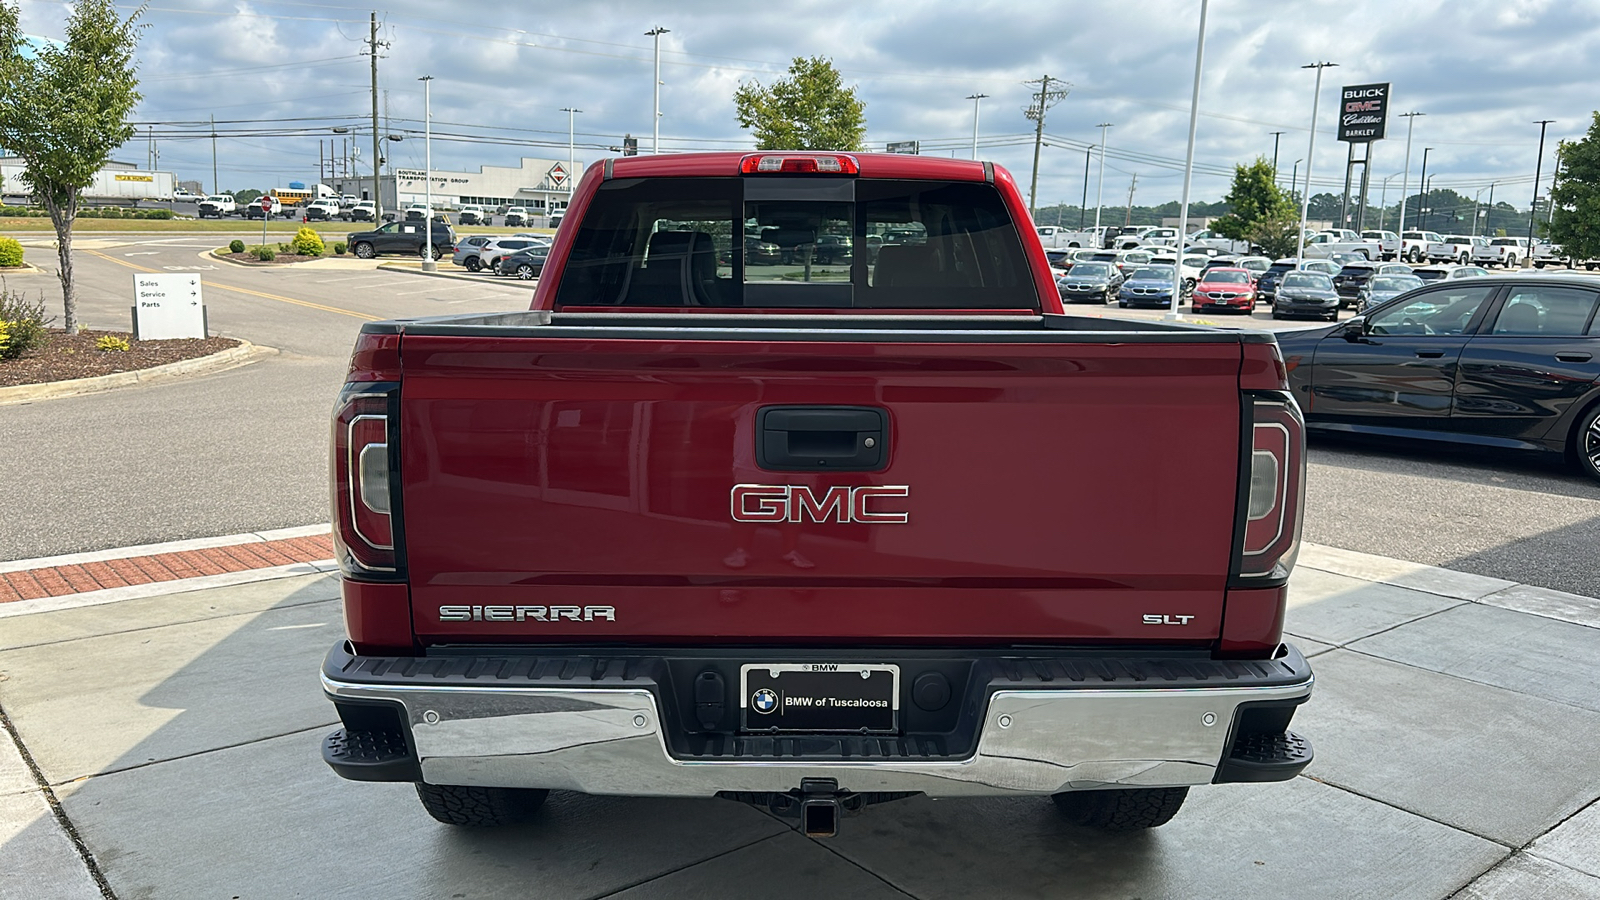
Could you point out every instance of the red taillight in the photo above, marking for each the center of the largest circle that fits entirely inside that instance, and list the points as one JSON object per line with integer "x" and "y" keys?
{"x": 1274, "y": 493}
{"x": 787, "y": 164}
{"x": 363, "y": 495}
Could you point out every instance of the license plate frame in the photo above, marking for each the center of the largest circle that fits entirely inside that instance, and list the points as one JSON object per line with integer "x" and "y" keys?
{"x": 804, "y": 694}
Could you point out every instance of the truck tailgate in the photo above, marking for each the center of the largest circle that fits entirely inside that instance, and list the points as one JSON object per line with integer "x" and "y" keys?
{"x": 580, "y": 489}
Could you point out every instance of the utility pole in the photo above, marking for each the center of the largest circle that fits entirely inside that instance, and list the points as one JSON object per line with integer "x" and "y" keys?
{"x": 1533, "y": 208}
{"x": 1043, "y": 99}
{"x": 655, "y": 86}
{"x": 1127, "y": 215}
{"x": 1100, "y": 183}
{"x": 1275, "y": 136}
{"x": 377, "y": 152}
{"x": 1555, "y": 176}
{"x": 1423, "y": 200}
{"x": 1311, "y": 152}
{"x": 1488, "y": 215}
{"x": 1083, "y": 207}
{"x": 215, "y": 187}
{"x": 975, "y": 98}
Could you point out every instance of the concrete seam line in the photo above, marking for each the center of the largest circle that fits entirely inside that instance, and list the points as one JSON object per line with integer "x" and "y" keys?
{"x": 57, "y": 810}
{"x": 225, "y": 540}
{"x": 163, "y": 588}
{"x": 221, "y": 361}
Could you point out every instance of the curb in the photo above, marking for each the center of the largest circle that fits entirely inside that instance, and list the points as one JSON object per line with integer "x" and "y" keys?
{"x": 226, "y": 540}
{"x": 163, "y": 588}
{"x": 24, "y": 269}
{"x": 457, "y": 276}
{"x": 231, "y": 358}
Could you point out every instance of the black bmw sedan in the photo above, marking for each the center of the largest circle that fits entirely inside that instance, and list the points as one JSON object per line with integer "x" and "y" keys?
{"x": 1305, "y": 294}
{"x": 1494, "y": 362}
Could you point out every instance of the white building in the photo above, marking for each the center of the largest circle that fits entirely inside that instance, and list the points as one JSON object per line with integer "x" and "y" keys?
{"x": 540, "y": 185}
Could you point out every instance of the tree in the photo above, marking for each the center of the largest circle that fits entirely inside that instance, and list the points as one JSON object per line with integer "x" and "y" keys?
{"x": 1278, "y": 235}
{"x": 1576, "y": 226}
{"x": 65, "y": 110}
{"x": 1254, "y": 198}
{"x": 809, "y": 110}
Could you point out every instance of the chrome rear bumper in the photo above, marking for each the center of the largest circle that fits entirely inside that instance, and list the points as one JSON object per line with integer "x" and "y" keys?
{"x": 609, "y": 737}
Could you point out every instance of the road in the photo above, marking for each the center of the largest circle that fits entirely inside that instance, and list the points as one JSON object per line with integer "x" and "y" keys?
{"x": 246, "y": 449}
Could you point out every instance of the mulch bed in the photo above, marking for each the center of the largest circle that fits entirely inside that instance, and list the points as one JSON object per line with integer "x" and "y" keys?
{"x": 281, "y": 258}
{"x": 75, "y": 356}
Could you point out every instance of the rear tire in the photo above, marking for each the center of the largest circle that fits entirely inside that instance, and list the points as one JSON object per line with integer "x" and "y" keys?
{"x": 364, "y": 250}
{"x": 1128, "y": 809}
{"x": 525, "y": 272}
{"x": 1586, "y": 442}
{"x": 480, "y": 807}
{"x": 473, "y": 264}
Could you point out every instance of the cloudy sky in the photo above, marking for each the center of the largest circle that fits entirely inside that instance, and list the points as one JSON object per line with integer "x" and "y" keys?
{"x": 284, "y": 72}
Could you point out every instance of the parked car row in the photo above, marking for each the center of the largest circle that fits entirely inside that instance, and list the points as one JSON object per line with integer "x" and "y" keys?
{"x": 522, "y": 255}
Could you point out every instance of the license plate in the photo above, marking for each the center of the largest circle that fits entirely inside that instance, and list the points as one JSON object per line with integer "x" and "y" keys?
{"x": 850, "y": 697}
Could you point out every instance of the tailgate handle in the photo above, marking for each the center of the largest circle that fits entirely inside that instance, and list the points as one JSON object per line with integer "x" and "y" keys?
{"x": 822, "y": 438}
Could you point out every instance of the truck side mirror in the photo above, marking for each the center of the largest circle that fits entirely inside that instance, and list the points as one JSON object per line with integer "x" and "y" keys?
{"x": 1354, "y": 329}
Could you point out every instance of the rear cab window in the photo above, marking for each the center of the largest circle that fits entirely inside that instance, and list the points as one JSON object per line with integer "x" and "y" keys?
{"x": 797, "y": 242}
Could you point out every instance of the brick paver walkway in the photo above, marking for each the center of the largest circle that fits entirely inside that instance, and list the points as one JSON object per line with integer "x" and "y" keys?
{"x": 57, "y": 581}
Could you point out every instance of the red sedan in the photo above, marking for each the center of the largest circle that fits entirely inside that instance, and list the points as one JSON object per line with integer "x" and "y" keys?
{"x": 1219, "y": 288}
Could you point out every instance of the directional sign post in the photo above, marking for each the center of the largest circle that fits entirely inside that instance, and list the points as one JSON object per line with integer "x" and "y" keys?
{"x": 168, "y": 306}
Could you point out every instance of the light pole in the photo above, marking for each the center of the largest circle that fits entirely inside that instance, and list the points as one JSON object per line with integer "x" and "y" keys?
{"x": 1275, "y": 136}
{"x": 1475, "y": 213}
{"x": 1311, "y": 152}
{"x": 571, "y": 163}
{"x": 1533, "y": 208}
{"x": 1383, "y": 200}
{"x": 976, "y": 99}
{"x": 1423, "y": 200}
{"x": 1294, "y": 176}
{"x": 428, "y": 265}
{"x": 1188, "y": 165}
{"x": 655, "y": 120}
{"x": 1405, "y": 180}
{"x": 1427, "y": 198}
{"x": 1100, "y": 183}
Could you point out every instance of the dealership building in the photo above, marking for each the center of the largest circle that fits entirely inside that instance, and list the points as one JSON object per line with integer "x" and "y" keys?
{"x": 541, "y": 185}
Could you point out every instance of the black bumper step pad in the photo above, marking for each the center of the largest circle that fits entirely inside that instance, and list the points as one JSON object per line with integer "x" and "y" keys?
{"x": 370, "y": 756}
{"x": 1265, "y": 757}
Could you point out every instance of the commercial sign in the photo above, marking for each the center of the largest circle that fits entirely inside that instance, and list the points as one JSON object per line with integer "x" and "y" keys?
{"x": 1363, "y": 112}
{"x": 557, "y": 174}
{"x": 168, "y": 306}
{"x": 912, "y": 147}
{"x": 136, "y": 178}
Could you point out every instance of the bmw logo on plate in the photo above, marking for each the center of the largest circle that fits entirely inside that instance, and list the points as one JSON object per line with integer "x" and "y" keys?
{"x": 764, "y": 700}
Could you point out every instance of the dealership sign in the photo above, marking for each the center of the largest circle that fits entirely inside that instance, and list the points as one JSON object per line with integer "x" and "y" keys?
{"x": 1363, "y": 112}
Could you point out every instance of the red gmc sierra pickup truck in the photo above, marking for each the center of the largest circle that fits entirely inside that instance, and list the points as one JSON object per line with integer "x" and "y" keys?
{"x": 795, "y": 486}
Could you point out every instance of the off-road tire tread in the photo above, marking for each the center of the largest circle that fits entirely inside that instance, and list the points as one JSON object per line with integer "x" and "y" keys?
{"x": 479, "y": 807}
{"x": 1130, "y": 809}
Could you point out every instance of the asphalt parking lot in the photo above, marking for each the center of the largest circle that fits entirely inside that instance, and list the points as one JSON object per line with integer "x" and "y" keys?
{"x": 178, "y": 734}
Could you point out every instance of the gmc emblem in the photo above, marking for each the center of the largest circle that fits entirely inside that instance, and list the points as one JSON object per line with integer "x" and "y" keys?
{"x": 796, "y": 503}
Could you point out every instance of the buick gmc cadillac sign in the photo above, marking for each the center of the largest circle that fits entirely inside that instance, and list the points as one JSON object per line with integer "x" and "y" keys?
{"x": 1363, "y": 112}
{"x": 797, "y": 502}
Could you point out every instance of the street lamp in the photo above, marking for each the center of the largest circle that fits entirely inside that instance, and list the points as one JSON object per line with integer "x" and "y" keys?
{"x": 1188, "y": 165}
{"x": 1405, "y": 181}
{"x": 428, "y": 265}
{"x": 655, "y": 120}
{"x": 1100, "y": 183}
{"x": 1427, "y": 199}
{"x": 1311, "y": 152}
{"x": 1383, "y": 200}
{"x": 1424, "y": 179}
{"x": 571, "y": 165}
{"x": 975, "y": 98}
{"x": 1294, "y": 177}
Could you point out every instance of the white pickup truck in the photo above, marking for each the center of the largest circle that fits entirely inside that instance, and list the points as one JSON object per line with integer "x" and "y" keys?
{"x": 1209, "y": 238}
{"x": 1414, "y": 245}
{"x": 1324, "y": 244}
{"x": 1388, "y": 240}
{"x": 1455, "y": 248}
{"x": 216, "y": 206}
{"x": 1055, "y": 237}
{"x": 1508, "y": 252}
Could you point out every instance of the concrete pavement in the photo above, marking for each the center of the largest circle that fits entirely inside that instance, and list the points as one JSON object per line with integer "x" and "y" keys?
{"x": 1454, "y": 720}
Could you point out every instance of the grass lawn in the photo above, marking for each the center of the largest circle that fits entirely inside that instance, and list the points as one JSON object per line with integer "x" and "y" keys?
{"x": 230, "y": 226}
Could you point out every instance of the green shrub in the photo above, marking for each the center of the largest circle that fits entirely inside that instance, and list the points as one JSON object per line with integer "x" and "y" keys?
{"x": 236, "y": 246}
{"x": 265, "y": 254}
{"x": 307, "y": 242}
{"x": 283, "y": 247}
{"x": 339, "y": 247}
{"x": 25, "y": 323}
{"x": 112, "y": 343}
{"x": 10, "y": 252}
